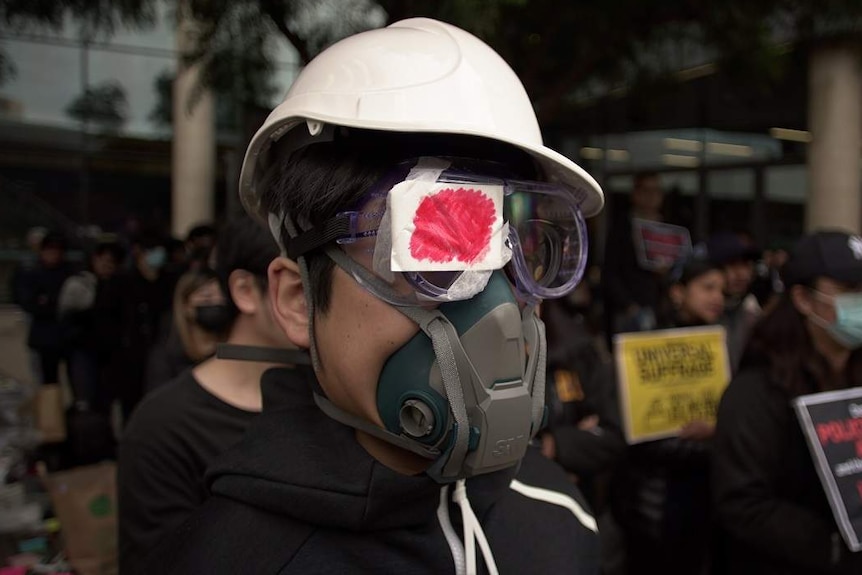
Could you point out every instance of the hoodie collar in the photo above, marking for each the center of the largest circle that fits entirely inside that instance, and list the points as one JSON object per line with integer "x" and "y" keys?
{"x": 296, "y": 461}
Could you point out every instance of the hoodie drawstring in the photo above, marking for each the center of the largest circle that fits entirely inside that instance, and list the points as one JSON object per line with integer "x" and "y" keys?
{"x": 473, "y": 532}
{"x": 455, "y": 544}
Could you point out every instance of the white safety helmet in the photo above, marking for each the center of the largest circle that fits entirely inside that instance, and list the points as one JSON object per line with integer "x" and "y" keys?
{"x": 414, "y": 76}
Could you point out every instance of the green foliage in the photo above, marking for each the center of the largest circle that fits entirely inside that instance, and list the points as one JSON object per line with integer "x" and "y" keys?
{"x": 101, "y": 15}
{"x": 563, "y": 51}
{"x": 104, "y": 105}
{"x": 568, "y": 51}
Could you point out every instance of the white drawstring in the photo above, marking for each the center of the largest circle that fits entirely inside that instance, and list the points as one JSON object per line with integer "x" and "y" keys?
{"x": 473, "y": 532}
{"x": 451, "y": 537}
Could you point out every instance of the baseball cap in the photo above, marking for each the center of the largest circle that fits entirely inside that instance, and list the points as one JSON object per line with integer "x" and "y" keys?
{"x": 833, "y": 254}
{"x": 726, "y": 247}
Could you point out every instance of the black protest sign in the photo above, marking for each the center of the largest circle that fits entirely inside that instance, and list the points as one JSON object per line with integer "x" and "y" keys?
{"x": 832, "y": 423}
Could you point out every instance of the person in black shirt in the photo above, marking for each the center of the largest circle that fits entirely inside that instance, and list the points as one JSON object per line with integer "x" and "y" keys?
{"x": 147, "y": 292}
{"x": 770, "y": 505}
{"x": 179, "y": 429}
{"x": 414, "y": 457}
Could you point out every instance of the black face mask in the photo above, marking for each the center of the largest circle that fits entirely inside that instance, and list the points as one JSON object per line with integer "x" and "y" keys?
{"x": 214, "y": 318}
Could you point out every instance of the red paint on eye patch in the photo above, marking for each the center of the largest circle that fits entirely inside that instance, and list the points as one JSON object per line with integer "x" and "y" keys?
{"x": 453, "y": 225}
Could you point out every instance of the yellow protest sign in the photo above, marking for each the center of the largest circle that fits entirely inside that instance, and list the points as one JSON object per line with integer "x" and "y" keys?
{"x": 668, "y": 378}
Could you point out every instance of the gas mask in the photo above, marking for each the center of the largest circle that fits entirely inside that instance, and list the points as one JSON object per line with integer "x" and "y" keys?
{"x": 467, "y": 391}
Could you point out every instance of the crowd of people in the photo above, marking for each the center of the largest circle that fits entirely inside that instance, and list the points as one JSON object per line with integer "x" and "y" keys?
{"x": 121, "y": 321}
{"x": 740, "y": 495}
{"x": 306, "y": 409}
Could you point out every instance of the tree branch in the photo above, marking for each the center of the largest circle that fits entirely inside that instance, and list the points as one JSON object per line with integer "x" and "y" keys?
{"x": 276, "y": 13}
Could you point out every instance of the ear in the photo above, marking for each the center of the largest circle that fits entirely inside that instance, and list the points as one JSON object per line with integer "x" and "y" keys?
{"x": 801, "y": 299}
{"x": 287, "y": 295}
{"x": 244, "y": 291}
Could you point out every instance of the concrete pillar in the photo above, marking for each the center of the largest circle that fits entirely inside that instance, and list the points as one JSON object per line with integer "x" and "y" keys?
{"x": 194, "y": 148}
{"x": 835, "y": 122}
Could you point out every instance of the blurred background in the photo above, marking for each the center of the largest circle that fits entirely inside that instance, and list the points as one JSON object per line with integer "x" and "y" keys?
{"x": 123, "y": 125}
{"x": 121, "y": 115}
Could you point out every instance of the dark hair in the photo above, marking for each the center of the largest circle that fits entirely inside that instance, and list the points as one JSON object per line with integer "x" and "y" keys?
{"x": 682, "y": 274}
{"x": 201, "y": 231}
{"x": 148, "y": 239}
{"x": 110, "y": 247}
{"x": 173, "y": 244}
{"x": 641, "y": 176}
{"x": 53, "y": 240}
{"x": 316, "y": 182}
{"x": 781, "y": 341}
{"x": 243, "y": 245}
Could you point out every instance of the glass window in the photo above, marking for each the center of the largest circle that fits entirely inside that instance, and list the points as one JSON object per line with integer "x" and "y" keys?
{"x": 786, "y": 191}
{"x": 731, "y": 199}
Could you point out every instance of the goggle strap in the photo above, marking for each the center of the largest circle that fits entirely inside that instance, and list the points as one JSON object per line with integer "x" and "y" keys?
{"x": 318, "y": 236}
{"x": 356, "y": 422}
{"x": 293, "y": 231}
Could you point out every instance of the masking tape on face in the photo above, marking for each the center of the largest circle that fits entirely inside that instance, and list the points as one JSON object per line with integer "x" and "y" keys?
{"x": 403, "y": 203}
{"x": 425, "y": 170}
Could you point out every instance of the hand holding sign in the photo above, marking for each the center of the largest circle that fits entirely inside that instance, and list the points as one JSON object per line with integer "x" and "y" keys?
{"x": 670, "y": 381}
{"x": 832, "y": 423}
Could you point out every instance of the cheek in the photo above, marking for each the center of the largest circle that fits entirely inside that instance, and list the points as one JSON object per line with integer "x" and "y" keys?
{"x": 354, "y": 339}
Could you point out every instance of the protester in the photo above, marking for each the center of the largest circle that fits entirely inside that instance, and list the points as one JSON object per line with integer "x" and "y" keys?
{"x": 584, "y": 432}
{"x": 200, "y": 241}
{"x": 90, "y": 304}
{"x": 767, "y": 496}
{"x": 38, "y": 294}
{"x": 147, "y": 294}
{"x": 197, "y": 326}
{"x": 179, "y": 429}
{"x": 28, "y": 261}
{"x": 736, "y": 257}
{"x": 410, "y": 365}
{"x": 631, "y": 293}
{"x": 662, "y": 495}
{"x": 767, "y": 284}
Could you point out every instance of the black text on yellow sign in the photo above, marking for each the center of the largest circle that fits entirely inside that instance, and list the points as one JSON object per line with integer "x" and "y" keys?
{"x": 669, "y": 378}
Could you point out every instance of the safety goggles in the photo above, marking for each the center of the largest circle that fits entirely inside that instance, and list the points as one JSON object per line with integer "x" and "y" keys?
{"x": 434, "y": 230}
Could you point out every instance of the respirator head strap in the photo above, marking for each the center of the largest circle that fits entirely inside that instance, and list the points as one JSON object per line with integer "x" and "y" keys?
{"x": 534, "y": 334}
{"x": 443, "y": 334}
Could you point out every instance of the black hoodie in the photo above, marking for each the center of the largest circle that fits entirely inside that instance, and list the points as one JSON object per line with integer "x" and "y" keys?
{"x": 299, "y": 495}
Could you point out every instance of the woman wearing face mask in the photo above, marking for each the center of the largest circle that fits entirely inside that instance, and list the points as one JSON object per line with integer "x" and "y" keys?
{"x": 200, "y": 319}
{"x": 768, "y": 500}
{"x": 661, "y": 494}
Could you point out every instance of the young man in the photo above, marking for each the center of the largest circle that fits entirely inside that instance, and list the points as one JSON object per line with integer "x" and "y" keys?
{"x": 421, "y": 220}
{"x": 180, "y": 428}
